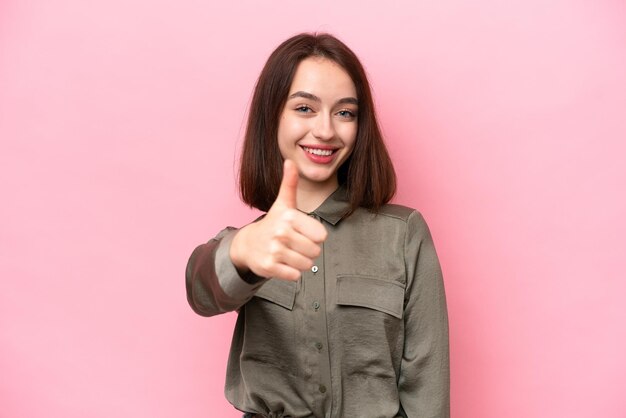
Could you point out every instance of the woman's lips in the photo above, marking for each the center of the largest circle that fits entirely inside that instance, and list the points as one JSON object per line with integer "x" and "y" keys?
{"x": 320, "y": 154}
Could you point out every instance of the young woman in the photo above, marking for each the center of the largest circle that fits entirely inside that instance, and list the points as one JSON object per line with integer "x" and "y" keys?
{"x": 341, "y": 302}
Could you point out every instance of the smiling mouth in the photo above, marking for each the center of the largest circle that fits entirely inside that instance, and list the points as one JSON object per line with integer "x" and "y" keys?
{"x": 320, "y": 152}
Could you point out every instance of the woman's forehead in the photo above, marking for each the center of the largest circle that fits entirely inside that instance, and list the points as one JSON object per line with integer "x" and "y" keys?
{"x": 323, "y": 78}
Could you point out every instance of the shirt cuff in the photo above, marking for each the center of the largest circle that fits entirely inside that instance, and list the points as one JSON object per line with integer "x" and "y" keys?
{"x": 234, "y": 284}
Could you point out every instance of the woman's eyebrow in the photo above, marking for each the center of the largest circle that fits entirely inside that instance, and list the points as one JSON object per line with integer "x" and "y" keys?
{"x": 348, "y": 100}
{"x": 305, "y": 95}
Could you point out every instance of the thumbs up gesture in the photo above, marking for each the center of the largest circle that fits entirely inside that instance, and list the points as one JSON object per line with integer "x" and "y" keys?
{"x": 285, "y": 242}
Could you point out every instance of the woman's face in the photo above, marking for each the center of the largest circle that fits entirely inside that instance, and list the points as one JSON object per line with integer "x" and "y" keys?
{"x": 318, "y": 125}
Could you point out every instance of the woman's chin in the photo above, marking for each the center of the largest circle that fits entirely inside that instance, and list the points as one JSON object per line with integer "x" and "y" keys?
{"x": 320, "y": 178}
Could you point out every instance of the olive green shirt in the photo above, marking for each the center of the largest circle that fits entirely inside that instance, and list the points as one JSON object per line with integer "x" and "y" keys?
{"x": 363, "y": 333}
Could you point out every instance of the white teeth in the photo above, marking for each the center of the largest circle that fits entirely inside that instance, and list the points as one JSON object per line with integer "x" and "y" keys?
{"x": 315, "y": 151}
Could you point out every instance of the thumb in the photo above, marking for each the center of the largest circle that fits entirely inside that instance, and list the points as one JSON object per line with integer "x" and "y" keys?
{"x": 289, "y": 185}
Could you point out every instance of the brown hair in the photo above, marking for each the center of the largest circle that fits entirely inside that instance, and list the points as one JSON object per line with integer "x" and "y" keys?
{"x": 368, "y": 173}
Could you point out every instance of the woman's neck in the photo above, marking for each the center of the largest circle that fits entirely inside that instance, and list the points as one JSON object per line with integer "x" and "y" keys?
{"x": 311, "y": 195}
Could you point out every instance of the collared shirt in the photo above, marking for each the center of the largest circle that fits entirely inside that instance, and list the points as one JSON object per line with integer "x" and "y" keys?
{"x": 363, "y": 333}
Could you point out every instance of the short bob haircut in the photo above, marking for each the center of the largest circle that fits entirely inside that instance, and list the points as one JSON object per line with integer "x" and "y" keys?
{"x": 367, "y": 174}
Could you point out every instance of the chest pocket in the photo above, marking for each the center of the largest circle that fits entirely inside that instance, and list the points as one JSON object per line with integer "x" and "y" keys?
{"x": 280, "y": 292}
{"x": 371, "y": 292}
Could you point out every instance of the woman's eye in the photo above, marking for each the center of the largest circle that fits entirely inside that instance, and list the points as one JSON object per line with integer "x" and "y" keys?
{"x": 346, "y": 114}
{"x": 304, "y": 109}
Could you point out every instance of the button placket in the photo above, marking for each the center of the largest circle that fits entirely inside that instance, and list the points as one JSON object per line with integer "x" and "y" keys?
{"x": 317, "y": 354}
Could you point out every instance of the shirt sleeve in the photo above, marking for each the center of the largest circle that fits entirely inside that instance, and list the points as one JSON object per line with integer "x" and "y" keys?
{"x": 214, "y": 285}
{"x": 424, "y": 384}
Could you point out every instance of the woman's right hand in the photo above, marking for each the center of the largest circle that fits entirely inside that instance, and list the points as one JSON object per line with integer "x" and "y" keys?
{"x": 285, "y": 242}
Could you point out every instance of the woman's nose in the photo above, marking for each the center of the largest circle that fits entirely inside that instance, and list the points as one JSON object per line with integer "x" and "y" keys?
{"x": 324, "y": 129}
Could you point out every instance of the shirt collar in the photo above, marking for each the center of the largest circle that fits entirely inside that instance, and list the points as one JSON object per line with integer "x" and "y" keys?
{"x": 334, "y": 207}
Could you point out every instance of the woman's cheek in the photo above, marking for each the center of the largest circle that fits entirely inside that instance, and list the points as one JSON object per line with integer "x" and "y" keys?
{"x": 347, "y": 133}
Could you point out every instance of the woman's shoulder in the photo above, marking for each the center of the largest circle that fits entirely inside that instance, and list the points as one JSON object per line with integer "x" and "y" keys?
{"x": 401, "y": 212}
{"x": 400, "y": 215}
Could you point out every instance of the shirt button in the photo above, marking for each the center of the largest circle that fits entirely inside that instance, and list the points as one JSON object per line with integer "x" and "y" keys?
{"x": 319, "y": 346}
{"x": 322, "y": 389}
{"x": 316, "y": 305}
{"x": 314, "y": 269}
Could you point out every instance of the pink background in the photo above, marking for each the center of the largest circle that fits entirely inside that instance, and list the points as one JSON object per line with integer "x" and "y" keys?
{"x": 120, "y": 124}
